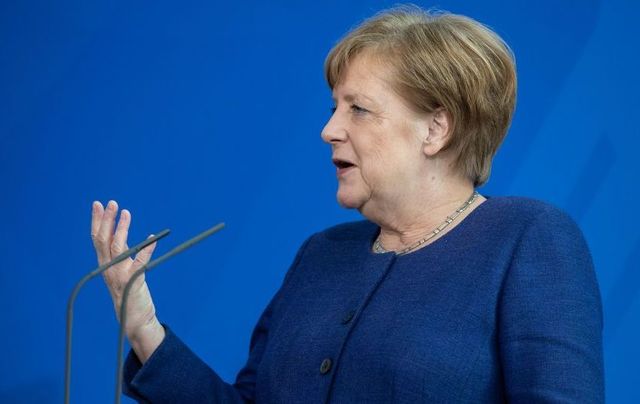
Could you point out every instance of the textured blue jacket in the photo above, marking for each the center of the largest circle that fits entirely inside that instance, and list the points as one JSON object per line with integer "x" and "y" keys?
{"x": 504, "y": 307}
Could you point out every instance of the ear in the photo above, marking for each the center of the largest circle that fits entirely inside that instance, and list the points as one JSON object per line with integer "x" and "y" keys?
{"x": 439, "y": 132}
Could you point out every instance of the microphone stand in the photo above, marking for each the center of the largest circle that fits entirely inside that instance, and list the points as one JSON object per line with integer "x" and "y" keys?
{"x": 127, "y": 289}
{"x": 74, "y": 294}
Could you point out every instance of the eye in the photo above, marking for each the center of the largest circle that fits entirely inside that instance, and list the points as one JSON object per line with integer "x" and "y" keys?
{"x": 358, "y": 109}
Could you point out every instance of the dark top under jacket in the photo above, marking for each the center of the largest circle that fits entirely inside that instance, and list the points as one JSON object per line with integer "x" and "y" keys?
{"x": 503, "y": 308}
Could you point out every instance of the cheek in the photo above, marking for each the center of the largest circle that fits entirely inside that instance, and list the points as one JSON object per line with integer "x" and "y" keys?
{"x": 374, "y": 159}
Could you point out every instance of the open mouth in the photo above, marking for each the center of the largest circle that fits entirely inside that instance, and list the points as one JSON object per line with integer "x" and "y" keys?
{"x": 342, "y": 164}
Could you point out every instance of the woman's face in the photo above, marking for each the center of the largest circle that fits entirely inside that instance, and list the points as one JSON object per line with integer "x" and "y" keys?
{"x": 376, "y": 139}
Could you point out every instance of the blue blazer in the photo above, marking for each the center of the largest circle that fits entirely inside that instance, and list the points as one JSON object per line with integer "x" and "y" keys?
{"x": 504, "y": 307}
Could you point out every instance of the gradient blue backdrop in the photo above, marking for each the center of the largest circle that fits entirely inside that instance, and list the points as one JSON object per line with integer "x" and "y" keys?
{"x": 191, "y": 113}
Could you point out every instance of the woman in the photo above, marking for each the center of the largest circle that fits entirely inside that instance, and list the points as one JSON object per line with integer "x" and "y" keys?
{"x": 441, "y": 295}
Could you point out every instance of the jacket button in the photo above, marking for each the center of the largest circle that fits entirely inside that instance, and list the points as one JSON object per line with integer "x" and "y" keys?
{"x": 348, "y": 316}
{"x": 325, "y": 367}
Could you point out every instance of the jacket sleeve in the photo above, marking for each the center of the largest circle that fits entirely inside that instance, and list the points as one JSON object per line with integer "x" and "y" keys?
{"x": 174, "y": 374}
{"x": 550, "y": 317}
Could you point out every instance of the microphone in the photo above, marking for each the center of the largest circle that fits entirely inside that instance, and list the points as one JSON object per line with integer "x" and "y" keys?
{"x": 127, "y": 289}
{"x": 74, "y": 294}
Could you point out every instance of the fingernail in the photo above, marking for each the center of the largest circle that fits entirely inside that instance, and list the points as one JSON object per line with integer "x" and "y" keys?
{"x": 111, "y": 204}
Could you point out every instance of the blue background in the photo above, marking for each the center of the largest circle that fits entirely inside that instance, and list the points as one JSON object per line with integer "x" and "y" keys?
{"x": 192, "y": 113}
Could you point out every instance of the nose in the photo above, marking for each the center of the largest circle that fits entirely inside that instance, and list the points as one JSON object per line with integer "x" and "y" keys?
{"x": 334, "y": 131}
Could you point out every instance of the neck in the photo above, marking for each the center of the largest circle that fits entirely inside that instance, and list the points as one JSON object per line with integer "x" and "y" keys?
{"x": 414, "y": 216}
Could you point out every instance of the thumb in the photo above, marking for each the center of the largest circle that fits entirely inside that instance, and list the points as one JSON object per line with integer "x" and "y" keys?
{"x": 143, "y": 257}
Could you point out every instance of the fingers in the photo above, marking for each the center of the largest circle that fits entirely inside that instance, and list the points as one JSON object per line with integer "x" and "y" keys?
{"x": 119, "y": 243}
{"x": 96, "y": 217}
{"x": 104, "y": 235}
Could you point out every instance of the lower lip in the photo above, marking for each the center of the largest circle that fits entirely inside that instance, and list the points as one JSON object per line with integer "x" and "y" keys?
{"x": 343, "y": 171}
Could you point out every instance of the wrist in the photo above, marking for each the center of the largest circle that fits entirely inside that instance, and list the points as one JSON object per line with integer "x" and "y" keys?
{"x": 146, "y": 339}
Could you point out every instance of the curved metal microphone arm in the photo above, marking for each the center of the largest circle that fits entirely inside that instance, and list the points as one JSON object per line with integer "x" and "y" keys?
{"x": 127, "y": 289}
{"x": 74, "y": 294}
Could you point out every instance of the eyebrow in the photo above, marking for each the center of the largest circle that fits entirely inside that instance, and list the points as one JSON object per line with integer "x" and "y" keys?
{"x": 354, "y": 97}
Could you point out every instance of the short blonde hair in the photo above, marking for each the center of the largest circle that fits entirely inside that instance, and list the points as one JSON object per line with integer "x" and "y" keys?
{"x": 442, "y": 60}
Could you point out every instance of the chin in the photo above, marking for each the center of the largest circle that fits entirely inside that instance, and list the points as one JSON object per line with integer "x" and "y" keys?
{"x": 349, "y": 200}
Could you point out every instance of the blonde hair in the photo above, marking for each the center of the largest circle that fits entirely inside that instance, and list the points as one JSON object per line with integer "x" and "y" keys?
{"x": 442, "y": 60}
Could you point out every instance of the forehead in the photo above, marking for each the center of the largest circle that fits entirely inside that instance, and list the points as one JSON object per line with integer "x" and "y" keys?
{"x": 369, "y": 80}
{"x": 364, "y": 76}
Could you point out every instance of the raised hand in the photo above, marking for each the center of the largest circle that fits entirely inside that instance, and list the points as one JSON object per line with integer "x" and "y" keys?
{"x": 143, "y": 329}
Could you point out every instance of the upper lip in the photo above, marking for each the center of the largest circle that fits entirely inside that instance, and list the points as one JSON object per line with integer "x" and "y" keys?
{"x": 341, "y": 162}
